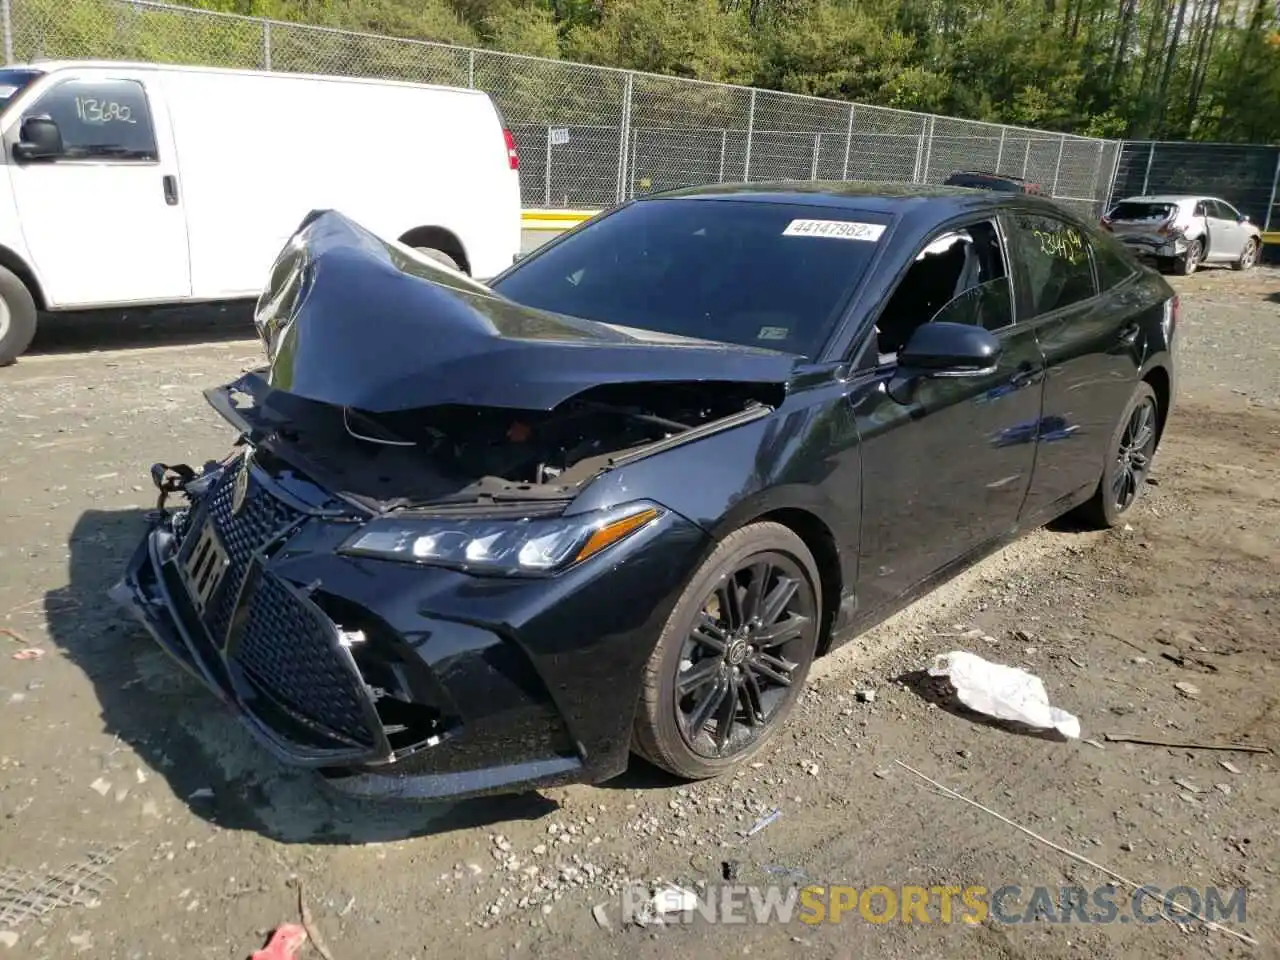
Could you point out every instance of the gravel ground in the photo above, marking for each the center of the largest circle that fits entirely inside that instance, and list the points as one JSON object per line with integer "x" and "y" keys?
{"x": 1165, "y": 629}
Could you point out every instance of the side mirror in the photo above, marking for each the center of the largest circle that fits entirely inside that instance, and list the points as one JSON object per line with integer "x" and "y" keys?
{"x": 1244, "y": 218}
{"x": 945, "y": 349}
{"x": 39, "y": 139}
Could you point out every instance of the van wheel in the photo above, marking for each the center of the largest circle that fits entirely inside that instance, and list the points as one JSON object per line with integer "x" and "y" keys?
{"x": 17, "y": 317}
{"x": 439, "y": 256}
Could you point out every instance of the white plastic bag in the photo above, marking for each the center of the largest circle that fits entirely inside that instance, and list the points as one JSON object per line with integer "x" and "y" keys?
{"x": 1005, "y": 693}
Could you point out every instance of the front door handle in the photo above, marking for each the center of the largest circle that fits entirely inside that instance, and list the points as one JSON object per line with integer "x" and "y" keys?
{"x": 170, "y": 189}
{"x": 1025, "y": 377}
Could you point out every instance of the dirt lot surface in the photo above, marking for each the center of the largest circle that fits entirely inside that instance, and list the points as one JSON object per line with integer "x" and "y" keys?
{"x": 1166, "y": 629}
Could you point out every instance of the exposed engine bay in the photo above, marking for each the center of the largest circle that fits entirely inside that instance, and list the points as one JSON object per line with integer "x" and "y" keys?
{"x": 469, "y": 454}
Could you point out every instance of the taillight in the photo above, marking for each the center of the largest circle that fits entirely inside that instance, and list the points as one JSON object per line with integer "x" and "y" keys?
{"x": 513, "y": 157}
{"x": 1106, "y": 223}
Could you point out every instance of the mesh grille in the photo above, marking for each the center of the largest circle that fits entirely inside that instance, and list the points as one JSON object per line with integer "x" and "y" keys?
{"x": 260, "y": 519}
{"x": 288, "y": 650}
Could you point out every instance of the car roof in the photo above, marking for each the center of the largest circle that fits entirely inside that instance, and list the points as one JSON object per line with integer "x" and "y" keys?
{"x": 989, "y": 175}
{"x": 886, "y": 198}
{"x": 1168, "y": 198}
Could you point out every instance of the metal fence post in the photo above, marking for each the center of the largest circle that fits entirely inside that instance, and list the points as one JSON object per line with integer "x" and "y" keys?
{"x": 546, "y": 174}
{"x": 266, "y": 44}
{"x": 817, "y": 151}
{"x": 928, "y": 151}
{"x": 1097, "y": 172}
{"x": 1000, "y": 152}
{"x": 848, "y": 143}
{"x": 7, "y": 13}
{"x": 915, "y": 172}
{"x": 1146, "y": 174}
{"x": 1275, "y": 182}
{"x": 751, "y": 131}
{"x": 624, "y": 138}
{"x": 724, "y": 143}
{"x": 471, "y": 69}
{"x": 1057, "y": 169}
{"x": 1026, "y": 158}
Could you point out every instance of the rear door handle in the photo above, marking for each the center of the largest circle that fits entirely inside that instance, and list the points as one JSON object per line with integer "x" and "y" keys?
{"x": 170, "y": 189}
{"x": 1129, "y": 335}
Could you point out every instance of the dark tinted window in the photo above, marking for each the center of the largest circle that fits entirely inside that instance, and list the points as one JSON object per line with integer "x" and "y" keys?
{"x": 1133, "y": 210}
{"x": 1112, "y": 261}
{"x": 761, "y": 274}
{"x": 959, "y": 277}
{"x": 1222, "y": 210}
{"x": 100, "y": 118}
{"x": 1054, "y": 257}
{"x": 984, "y": 182}
{"x": 12, "y": 82}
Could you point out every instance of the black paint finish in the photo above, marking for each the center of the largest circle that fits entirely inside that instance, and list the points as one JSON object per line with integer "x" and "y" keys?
{"x": 895, "y": 475}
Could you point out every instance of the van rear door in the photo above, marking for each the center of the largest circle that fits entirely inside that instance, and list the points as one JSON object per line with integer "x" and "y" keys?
{"x": 103, "y": 222}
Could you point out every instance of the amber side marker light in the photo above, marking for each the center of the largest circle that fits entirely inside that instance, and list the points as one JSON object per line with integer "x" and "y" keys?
{"x": 614, "y": 532}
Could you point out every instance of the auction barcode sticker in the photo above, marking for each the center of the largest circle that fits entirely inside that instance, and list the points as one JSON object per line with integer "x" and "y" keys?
{"x": 838, "y": 229}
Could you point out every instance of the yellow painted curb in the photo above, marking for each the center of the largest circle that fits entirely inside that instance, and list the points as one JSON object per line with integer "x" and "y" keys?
{"x": 1272, "y": 237}
{"x": 554, "y": 219}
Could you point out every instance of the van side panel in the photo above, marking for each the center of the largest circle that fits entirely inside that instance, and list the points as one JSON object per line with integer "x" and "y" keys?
{"x": 256, "y": 152}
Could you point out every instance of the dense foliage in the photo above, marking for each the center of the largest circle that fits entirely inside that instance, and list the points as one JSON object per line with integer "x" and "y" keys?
{"x": 1198, "y": 69}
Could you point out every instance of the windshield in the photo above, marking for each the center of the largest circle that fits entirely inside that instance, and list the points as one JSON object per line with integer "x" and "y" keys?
{"x": 1133, "y": 210}
{"x": 12, "y": 82}
{"x": 759, "y": 274}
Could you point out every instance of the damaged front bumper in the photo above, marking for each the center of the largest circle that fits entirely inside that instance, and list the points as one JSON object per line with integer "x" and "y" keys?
{"x": 391, "y": 679}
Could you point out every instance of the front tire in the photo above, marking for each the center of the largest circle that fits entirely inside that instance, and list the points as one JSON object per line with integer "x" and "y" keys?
{"x": 1133, "y": 445}
{"x": 733, "y": 655}
{"x": 1248, "y": 256}
{"x": 17, "y": 317}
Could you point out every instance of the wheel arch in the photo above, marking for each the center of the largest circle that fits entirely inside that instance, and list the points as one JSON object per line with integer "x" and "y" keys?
{"x": 1159, "y": 380}
{"x": 22, "y": 270}
{"x": 440, "y": 238}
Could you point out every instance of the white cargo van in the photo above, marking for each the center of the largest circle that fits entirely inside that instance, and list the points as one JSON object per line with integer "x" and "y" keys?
{"x": 130, "y": 184}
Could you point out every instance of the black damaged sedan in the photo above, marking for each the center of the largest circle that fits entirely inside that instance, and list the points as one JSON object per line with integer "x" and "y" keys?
{"x": 489, "y": 538}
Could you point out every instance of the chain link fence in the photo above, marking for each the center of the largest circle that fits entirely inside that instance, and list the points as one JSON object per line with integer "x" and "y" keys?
{"x": 590, "y": 136}
{"x": 1245, "y": 175}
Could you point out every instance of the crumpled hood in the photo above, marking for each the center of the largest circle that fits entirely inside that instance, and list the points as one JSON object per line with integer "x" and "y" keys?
{"x": 350, "y": 320}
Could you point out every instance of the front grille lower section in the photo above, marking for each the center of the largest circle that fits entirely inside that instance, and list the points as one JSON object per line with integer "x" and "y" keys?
{"x": 289, "y": 651}
{"x": 282, "y": 652}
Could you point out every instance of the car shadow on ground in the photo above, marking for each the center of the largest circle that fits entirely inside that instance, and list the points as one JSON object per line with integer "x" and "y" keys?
{"x": 143, "y": 327}
{"x": 180, "y": 731}
{"x": 1274, "y": 297}
{"x": 938, "y": 691}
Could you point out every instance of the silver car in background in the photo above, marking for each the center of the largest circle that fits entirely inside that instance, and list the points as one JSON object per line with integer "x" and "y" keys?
{"x": 1182, "y": 232}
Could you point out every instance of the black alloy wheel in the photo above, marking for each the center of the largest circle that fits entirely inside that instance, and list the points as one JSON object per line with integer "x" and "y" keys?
{"x": 734, "y": 654}
{"x": 1133, "y": 458}
{"x": 1133, "y": 446}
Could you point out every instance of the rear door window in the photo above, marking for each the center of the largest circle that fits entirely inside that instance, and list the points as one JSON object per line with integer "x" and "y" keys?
{"x": 100, "y": 119}
{"x": 1054, "y": 258}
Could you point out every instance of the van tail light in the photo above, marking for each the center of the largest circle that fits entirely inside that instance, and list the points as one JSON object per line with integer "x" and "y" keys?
{"x": 513, "y": 156}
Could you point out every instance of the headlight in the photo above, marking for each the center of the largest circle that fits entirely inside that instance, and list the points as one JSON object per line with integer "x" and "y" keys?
{"x": 512, "y": 547}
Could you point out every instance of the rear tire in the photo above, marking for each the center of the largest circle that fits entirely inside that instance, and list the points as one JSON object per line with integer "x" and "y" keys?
{"x": 17, "y": 317}
{"x": 1248, "y": 256}
{"x": 1190, "y": 261}
{"x": 1133, "y": 445}
{"x": 734, "y": 652}
{"x": 440, "y": 257}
